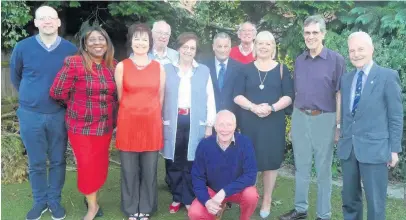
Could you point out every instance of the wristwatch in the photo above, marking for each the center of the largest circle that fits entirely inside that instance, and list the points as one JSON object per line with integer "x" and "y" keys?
{"x": 272, "y": 108}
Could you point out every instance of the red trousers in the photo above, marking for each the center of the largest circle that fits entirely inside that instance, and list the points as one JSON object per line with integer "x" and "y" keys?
{"x": 248, "y": 199}
{"x": 92, "y": 160}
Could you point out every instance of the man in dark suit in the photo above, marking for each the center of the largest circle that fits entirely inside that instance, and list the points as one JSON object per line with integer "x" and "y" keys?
{"x": 371, "y": 132}
{"x": 223, "y": 71}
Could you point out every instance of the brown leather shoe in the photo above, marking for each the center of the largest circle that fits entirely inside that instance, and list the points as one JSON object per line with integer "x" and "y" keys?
{"x": 293, "y": 215}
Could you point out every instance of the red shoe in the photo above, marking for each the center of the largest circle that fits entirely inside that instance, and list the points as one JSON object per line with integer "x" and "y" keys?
{"x": 174, "y": 208}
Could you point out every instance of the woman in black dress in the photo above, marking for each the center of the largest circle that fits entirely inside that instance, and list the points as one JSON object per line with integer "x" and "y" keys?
{"x": 263, "y": 92}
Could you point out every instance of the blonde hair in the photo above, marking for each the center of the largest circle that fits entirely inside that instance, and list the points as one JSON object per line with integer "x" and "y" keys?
{"x": 265, "y": 35}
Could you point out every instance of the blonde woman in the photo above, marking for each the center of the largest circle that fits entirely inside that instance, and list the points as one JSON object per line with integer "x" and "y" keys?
{"x": 263, "y": 91}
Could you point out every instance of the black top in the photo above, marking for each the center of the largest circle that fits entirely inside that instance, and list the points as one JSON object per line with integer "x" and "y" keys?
{"x": 267, "y": 134}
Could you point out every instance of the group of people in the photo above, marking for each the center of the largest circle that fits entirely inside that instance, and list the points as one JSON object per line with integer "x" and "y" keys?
{"x": 161, "y": 100}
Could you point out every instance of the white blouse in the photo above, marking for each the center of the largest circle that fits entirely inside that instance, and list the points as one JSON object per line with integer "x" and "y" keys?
{"x": 184, "y": 93}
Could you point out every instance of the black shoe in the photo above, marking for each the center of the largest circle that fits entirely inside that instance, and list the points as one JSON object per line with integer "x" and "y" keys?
{"x": 99, "y": 212}
{"x": 323, "y": 219}
{"x": 228, "y": 205}
{"x": 293, "y": 215}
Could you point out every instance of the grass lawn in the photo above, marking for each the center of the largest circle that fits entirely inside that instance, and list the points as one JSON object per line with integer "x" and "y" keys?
{"x": 16, "y": 200}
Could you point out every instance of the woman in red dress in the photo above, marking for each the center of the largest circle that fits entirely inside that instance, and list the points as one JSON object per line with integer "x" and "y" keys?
{"x": 140, "y": 85}
{"x": 86, "y": 85}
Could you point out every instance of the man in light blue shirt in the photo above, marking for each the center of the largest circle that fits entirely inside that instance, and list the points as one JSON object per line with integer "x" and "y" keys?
{"x": 224, "y": 72}
{"x": 161, "y": 32}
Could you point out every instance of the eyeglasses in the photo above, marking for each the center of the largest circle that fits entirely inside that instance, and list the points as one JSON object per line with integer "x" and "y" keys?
{"x": 161, "y": 33}
{"x": 247, "y": 30}
{"x": 186, "y": 47}
{"x": 314, "y": 33}
{"x": 94, "y": 40}
{"x": 46, "y": 18}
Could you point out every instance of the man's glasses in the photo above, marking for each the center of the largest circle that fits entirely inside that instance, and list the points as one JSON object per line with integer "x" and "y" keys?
{"x": 314, "y": 33}
{"x": 161, "y": 33}
{"x": 46, "y": 18}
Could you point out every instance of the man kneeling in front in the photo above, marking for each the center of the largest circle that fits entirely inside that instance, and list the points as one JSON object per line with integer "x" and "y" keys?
{"x": 224, "y": 170}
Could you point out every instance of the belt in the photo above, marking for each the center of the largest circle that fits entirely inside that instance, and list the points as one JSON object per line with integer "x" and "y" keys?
{"x": 183, "y": 111}
{"x": 311, "y": 112}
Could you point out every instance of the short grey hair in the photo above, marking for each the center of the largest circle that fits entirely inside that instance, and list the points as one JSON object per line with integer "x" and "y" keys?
{"x": 226, "y": 112}
{"x": 265, "y": 35}
{"x": 365, "y": 36}
{"x": 247, "y": 22}
{"x": 316, "y": 19}
{"x": 156, "y": 23}
{"x": 221, "y": 35}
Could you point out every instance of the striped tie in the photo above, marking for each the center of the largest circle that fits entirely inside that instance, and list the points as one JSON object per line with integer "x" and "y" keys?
{"x": 358, "y": 90}
{"x": 221, "y": 75}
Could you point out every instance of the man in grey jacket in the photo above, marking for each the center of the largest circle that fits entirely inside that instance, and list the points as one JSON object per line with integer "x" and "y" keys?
{"x": 371, "y": 133}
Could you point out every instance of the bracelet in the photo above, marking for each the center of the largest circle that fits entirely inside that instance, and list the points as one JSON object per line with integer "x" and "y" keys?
{"x": 250, "y": 106}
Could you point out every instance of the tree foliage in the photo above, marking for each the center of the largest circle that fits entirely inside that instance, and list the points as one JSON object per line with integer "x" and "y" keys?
{"x": 380, "y": 18}
{"x": 15, "y": 15}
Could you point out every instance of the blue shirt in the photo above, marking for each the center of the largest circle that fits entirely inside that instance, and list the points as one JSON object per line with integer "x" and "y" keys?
{"x": 366, "y": 69}
{"x": 170, "y": 56}
{"x": 33, "y": 70}
{"x": 53, "y": 45}
{"x": 232, "y": 170}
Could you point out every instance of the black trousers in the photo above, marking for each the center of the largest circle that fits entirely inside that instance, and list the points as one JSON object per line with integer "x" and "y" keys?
{"x": 178, "y": 170}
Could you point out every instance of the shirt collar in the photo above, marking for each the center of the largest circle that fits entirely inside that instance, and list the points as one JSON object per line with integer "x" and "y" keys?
{"x": 155, "y": 52}
{"x": 243, "y": 52}
{"x": 217, "y": 62}
{"x": 367, "y": 68}
{"x": 232, "y": 141}
{"x": 322, "y": 54}
{"x": 53, "y": 45}
{"x": 194, "y": 64}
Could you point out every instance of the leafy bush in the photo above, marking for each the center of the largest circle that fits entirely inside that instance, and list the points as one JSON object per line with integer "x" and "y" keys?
{"x": 13, "y": 162}
{"x": 15, "y": 16}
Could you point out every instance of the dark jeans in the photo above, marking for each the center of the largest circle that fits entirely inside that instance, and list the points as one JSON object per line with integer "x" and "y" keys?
{"x": 179, "y": 176}
{"x": 44, "y": 137}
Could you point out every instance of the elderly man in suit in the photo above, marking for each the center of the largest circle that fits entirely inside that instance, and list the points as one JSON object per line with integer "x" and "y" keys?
{"x": 371, "y": 132}
{"x": 224, "y": 71}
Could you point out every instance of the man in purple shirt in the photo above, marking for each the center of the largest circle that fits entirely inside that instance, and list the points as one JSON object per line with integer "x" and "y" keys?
{"x": 315, "y": 118}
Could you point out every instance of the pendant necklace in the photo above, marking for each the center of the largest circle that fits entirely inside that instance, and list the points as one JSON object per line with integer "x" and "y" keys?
{"x": 261, "y": 86}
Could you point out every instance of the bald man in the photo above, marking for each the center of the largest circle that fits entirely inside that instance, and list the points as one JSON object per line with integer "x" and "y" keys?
{"x": 224, "y": 170}
{"x": 371, "y": 133}
{"x": 34, "y": 63}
